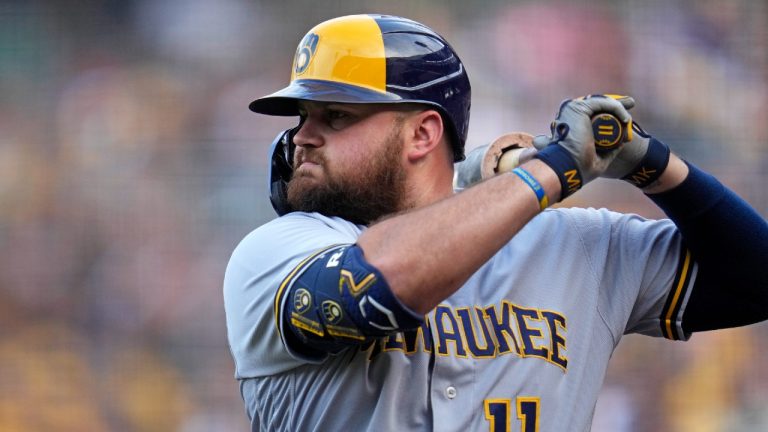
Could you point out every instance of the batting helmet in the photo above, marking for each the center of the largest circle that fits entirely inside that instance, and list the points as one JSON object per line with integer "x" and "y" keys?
{"x": 371, "y": 59}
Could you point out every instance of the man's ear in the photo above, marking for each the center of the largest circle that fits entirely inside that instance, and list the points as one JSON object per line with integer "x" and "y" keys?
{"x": 425, "y": 132}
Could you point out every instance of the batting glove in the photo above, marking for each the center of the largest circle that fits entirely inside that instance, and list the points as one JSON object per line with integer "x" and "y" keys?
{"x": 502, "y": 155}
{"x": 570, "y": 150}
{"x": 640, "y": 161}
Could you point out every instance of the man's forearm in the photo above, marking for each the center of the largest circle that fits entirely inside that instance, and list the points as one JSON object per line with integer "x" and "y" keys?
{"x": 413, "y": 250}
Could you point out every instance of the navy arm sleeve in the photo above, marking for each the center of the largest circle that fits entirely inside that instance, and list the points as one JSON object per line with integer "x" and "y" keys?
{"x": 729, "y": 241}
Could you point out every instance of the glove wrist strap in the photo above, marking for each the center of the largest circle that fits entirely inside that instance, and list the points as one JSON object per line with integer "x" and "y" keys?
{"x": 563, "y": 164}
{"x": 651, "y": 167}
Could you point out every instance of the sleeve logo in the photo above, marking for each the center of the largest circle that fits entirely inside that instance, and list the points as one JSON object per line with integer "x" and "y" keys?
{"x": 302, "y": 299}
{"x": 331, "y": 312}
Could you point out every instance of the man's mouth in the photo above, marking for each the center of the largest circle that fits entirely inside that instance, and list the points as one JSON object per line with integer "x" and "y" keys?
{"x": 307, "y": 167}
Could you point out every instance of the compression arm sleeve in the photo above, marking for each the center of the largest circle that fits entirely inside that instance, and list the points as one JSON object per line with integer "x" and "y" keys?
{"x": 336, "y": 299}
{"x": 729, "y": 241}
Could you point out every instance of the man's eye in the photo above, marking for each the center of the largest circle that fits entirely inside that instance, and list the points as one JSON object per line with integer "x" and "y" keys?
{"x": 336, "y": 115}
{"x": 338, "y": 119}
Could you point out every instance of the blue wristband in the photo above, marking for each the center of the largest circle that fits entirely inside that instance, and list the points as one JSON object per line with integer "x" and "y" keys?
{"x": 526, "y": 177}
{"x": 558, "y": 158}
{"x": 651, "y": 167}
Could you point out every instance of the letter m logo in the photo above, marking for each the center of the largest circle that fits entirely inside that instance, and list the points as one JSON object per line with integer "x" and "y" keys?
{"x": 573, "y": 180}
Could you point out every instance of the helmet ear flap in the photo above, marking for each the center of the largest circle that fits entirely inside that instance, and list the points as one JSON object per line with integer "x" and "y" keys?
{"x": 278, "y": 196}
{"x": 281, "y": 170}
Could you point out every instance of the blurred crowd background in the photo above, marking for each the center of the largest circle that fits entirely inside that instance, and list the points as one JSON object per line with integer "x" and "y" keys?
{"x": 130, "y": 167}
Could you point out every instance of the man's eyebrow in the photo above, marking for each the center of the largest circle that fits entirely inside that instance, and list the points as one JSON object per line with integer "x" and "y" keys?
{"x": 306, "y": 104}
{"x": 344, "y": 106}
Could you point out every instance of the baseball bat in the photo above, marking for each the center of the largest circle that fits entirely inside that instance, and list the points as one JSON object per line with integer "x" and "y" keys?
{"x": 608, "y": 131}
{"x": 513, "y": 149}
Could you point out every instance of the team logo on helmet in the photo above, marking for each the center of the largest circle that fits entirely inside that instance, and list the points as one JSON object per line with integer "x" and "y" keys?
{"x": 305, "y": 52}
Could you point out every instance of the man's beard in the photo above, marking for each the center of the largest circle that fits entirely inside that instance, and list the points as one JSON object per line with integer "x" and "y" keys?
{"x": 376, "y": 188}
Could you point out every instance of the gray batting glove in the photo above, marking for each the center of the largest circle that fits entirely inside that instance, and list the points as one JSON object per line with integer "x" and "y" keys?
{"x": 502, "y": 155}
{"x": 641, "y": 161}
{"x": 629, "y": 156}
{"x": 570, "y": 150}
{"x": 470, "y": 170}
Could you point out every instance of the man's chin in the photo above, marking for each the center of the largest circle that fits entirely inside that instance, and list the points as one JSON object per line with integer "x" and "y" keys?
{"x": 303, "y": 186}
{"x": 334, "y": 203}
{"x": 308, "y": 194}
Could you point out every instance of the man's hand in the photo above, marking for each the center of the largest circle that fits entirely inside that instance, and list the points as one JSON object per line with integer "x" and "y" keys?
{"x": 630, "y": 154}
{"x": 502, "y": 155}
{"x": 570, "y": 150}
{"x": 641, "y": 161}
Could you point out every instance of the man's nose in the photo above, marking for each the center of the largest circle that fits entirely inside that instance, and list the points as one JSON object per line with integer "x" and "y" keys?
{"x": 308, "y": 134}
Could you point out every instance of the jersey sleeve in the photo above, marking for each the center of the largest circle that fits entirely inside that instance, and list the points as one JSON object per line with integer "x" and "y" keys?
{"x": 645, "y": 272}
{"x": 257, "y": 269}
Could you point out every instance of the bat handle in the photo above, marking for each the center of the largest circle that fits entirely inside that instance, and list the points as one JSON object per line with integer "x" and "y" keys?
{"x": 609, "y": 132}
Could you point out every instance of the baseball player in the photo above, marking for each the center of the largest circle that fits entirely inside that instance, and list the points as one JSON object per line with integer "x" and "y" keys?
{"x": 381, "y": 300}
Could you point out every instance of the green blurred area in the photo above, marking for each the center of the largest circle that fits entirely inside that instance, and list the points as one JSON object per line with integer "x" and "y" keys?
{"x": 130, "y": 167}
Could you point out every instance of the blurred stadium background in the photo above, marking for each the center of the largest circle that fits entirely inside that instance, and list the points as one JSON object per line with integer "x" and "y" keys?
{"x": 130, "y": 167}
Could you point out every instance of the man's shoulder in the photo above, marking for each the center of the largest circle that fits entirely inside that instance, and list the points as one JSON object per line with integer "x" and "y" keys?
{"x": 270, "y": 251}
{"x": 590, "y": 215}
{"x": 592, "y": 224}
{"x": 575, "y": 217}
{"x": 300, "y": 223}
{"x": 298, "y": 232}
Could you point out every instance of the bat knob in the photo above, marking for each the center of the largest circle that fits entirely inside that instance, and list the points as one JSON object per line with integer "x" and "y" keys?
{"x": 609, "y": 132}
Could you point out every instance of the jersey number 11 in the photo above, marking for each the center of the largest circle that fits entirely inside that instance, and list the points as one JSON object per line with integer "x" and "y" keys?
{"x": 497, "y": 412}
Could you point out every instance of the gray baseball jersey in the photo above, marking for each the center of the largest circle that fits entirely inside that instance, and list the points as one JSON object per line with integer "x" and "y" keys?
{"x": 522, "y": 346}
